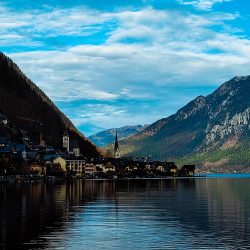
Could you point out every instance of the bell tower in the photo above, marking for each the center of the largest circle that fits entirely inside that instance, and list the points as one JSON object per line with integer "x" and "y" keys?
{"x": 66, "y": 141}
{"x": 116, "y": 148}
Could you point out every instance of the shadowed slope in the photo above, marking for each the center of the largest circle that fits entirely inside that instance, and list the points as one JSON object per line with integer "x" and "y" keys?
{"x": 20, "y": 97}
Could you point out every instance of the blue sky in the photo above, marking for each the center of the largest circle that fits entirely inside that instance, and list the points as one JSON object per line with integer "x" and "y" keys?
{"x": 111, "y": 63}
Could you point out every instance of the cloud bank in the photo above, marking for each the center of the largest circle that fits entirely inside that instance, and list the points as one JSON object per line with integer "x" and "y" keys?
{"x": 112, "y": 68}
{"x": 202, "y": 4}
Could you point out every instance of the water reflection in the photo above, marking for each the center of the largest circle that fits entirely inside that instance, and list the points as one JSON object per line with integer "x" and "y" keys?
{"x": 137, "y": 214}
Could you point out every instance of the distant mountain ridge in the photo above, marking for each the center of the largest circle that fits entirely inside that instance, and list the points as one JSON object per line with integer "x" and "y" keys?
{"x": 108, "y": 136}
{"x": 20, "y": 97}
{"x": 211, "y": 131}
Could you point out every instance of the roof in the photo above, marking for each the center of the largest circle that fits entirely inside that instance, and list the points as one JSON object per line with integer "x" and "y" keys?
{"x": 74, "y": 144}
{"x": 56, "y": 157}
{"x": 189, "y": 167}
{"x": 5, "y": 149}
{"x": 75, "y": 158}
{"x": 51, "y": 157}
{"x": 31, "y": 154}
{"x": 18, "y": 146}
{"x": 116, "y": 142}
{"x": 4, "y": 140}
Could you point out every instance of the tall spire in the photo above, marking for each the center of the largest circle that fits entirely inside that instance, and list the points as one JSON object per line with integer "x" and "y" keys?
{"x": 116, "y": 141}
{"x": 117, "y": 150}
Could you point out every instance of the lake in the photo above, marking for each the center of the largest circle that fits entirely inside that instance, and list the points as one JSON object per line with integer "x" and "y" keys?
{"x": 200, "y": 213}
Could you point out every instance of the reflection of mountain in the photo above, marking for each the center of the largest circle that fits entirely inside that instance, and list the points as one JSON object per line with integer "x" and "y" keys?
{"x": 227, "y": 202}
{"x": 27, "y": 211}
{"x": 147, "y": 213}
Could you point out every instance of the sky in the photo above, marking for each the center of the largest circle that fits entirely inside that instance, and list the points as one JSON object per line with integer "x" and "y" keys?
{"x": 110, "y": 63}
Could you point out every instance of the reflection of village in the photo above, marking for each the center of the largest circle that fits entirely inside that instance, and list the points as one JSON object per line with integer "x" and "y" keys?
{"x": 44, "y": 208}
{"x": 19, "y": 159}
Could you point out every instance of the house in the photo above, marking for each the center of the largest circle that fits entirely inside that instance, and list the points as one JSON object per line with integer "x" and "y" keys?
{"x": 17, "y": 150}
{"x": 72, "y": 146}
{"x": 31, "y": 155}
{"x": 108, "y": 167}
{"x": 75, "y": 165}
{"x": 48, "y": 158}
{"x": 4, "y": 141}
{"x": 37, "y": 169}
{"x": 171, "y": 168}
{"x": 60, "y": 160}
{"x": 50, "y": 150}
{"x": 160, "y": 168}
{"x": 75, "y": 148}
{"x": 5, "y": 146}
{"x": 187, "y": 170}
{"x": 56, "y": 167}
{"x": 90, "y": 169}
{"x": 3, "y": 119}
{"x": 131, "y": 168}
{"x": 66, "y": 141}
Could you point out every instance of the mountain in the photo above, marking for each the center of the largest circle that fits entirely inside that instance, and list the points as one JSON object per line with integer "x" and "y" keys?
{"x": 108, "y": 136}
{"x": 21, "y": 101}
{"x": 212, "y": 131}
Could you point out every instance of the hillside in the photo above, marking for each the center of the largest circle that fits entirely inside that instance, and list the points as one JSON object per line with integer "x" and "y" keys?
{"x": 107, "y": 136}
{"x": 211, "y": 131}
{"x": 20, "y": 97}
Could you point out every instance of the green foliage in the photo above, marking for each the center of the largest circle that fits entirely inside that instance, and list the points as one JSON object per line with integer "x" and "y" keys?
{"x": 198, "y": 131}
{"x": 237, "y": 156}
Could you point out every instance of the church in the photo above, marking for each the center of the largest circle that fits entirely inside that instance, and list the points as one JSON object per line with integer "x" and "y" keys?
{"x": 116, "y": 148}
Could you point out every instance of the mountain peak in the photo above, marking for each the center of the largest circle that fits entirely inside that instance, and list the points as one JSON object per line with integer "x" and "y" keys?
{"x": 191, "y": 108}
{"x": 107, "y": 136}
{"x": 205, "y": 124}
{"x": 241, "y": 78}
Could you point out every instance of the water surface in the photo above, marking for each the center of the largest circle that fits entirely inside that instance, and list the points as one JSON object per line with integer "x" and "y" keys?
{"x": 205, "y": 213}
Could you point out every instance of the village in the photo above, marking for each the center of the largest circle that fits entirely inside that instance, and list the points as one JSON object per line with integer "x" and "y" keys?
{"x": 28, "y": 161}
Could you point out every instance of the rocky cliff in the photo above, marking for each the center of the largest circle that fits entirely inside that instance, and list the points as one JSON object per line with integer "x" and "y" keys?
{"x": 212, "y": 130}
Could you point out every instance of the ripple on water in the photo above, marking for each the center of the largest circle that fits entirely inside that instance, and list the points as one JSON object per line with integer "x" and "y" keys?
{"x": 139, "y": 214}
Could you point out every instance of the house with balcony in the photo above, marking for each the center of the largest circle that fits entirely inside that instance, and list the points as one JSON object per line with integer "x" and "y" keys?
{"x": 73, "y": 165}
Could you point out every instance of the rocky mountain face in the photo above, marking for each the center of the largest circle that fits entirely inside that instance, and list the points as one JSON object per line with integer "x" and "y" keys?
{"x": 210, "y": 131}
{"x": 21, "y": 101}
{"x": 108, "y": 136}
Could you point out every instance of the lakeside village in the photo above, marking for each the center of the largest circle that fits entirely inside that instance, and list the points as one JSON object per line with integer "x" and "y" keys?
{"x": 28, "y": 162}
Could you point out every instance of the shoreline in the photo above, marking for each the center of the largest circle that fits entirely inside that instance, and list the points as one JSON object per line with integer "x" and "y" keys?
{"x": 203, "y": 176}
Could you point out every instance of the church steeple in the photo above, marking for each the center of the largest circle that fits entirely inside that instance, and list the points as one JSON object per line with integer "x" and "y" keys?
{"x": 116, "y": 148}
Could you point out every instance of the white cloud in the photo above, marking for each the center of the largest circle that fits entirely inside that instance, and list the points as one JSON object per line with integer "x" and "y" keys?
{"x": 202, "y": 4}
{"x": 147, "y": 54}
{"x": 100, "y": 115}
{"x": 49, "y": 23}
